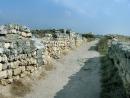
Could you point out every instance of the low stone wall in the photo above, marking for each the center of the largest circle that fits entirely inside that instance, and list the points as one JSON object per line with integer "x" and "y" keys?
{"x": 119, "y": 53}
{"x": 56, "y": 48}
{"x": 21, "y": 53}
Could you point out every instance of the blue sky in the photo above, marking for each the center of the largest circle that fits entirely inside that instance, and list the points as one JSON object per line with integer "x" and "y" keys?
{"x": 100, "y": 16}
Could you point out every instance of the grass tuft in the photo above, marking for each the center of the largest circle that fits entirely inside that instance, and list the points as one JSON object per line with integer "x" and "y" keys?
{"x": 49, "y": 67}
{"x": 18, "y": 88}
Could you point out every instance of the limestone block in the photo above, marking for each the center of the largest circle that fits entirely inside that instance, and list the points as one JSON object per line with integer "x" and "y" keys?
{"x": 30, "y": 68}
{"x": 29, "y": 55}
{"x": 3, "y": 74}
{"x": 9, "y": 73}
{"x": 33, "y": 61}
{"x": 34, "y": 54}
{"x": 24, "y": 62}
{"x": 6, "y": 81}
{"x": 1, "y": 66}
{"x": 35, "y": 68}
{"x": 27, "y": 73}
{"x": 16, "y": 78}
{"x": 3, "y": 82}
{"x": 9, "y": 80}
{"x": 24, "y": 34}
{"x": 23, "y": 75}
{"x": 16, "y": 71}
{"x": 13, "y": 31}
{"x": 4, "y": 58}
{"x": 7, "y": 45}
{"x": 14, "y": 64}
{"x": 5, "y": 66}
{"x": 0, "y": 58}
{"x": 29, "y": 34}
{"x": 22, "y": 68}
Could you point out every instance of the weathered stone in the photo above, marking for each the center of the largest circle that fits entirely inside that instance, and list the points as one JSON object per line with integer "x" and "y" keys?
{"x": 3, "y": 74}
{"x": 9, "y": 73}
{"x": 3, "y": 82}
{"x": 21, "y": 54}
{"x": 23, "y": 75}
{"x": 24, "y": 34}
{"x": 119, "y": 53}
{"x": 22, "y": 68}
{"x": 9, "y": 81}
{"x": 4, "y": 58}
{"x": 29, "y": 35}
{"x": 16, "y": 78}
{"x": 17, "y": 71}
{"x": 28, "y": 68}
{"x": 0, "y": 58}
{"x": 1, "y": 66}
{"x": 14, "y": 64}
{"x": 7, "y": 45}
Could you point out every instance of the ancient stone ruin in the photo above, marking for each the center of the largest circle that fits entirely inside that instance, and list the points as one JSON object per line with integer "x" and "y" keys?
{"x": 22, "y": 53}
{"x": 119, "y": 53}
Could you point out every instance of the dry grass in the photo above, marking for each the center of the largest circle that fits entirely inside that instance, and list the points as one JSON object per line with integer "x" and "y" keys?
{"x": 65, "y": 53}
{"x": 3, "y": 96}
{"x": 42, "y": 75}
{"x": 49, "y": 67}
{"x": 18, "y": 88}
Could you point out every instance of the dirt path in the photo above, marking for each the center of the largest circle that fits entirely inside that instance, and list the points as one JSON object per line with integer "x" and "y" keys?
{"x": 72, "y": 78}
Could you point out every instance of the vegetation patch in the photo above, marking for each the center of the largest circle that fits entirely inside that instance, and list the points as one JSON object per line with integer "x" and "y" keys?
{"x": 42, "y": 75}
{"x": 102, "y": 46}
{"x": 49, "y": 67}
{"x": 18, "y": 88}
{"x": 89, "y": 36}
{"x": 2, "y": 96}
{"x": 112, "y": 85}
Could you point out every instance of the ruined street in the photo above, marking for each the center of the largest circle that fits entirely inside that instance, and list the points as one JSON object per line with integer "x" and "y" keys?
{"x": 76, "y": 75}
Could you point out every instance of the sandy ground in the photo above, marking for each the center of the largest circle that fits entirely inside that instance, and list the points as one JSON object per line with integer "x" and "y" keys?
{"x": 76, "y": 76}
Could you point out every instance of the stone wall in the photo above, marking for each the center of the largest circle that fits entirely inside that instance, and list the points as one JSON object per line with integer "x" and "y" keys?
{"x": 119, "y": 53}
{"x": 21, "y": 53}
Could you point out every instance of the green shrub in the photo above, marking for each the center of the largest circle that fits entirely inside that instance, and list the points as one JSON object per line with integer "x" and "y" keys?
{"x": 102, "y": 46}
{"x": 89, "y": 36}
{"x": 20, "y": 89}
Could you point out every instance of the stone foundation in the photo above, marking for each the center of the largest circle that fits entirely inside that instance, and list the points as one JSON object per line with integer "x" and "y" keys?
{"x": 21, "y": 54}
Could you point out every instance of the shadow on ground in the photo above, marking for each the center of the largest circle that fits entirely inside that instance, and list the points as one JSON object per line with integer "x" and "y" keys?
{"x": 93, "y": 48}
{"x": 85, "y": 83}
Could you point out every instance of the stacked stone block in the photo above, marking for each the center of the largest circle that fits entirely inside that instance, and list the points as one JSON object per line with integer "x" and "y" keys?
{"x": 119, "y": 52}
{"x": 21, "y": 53}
